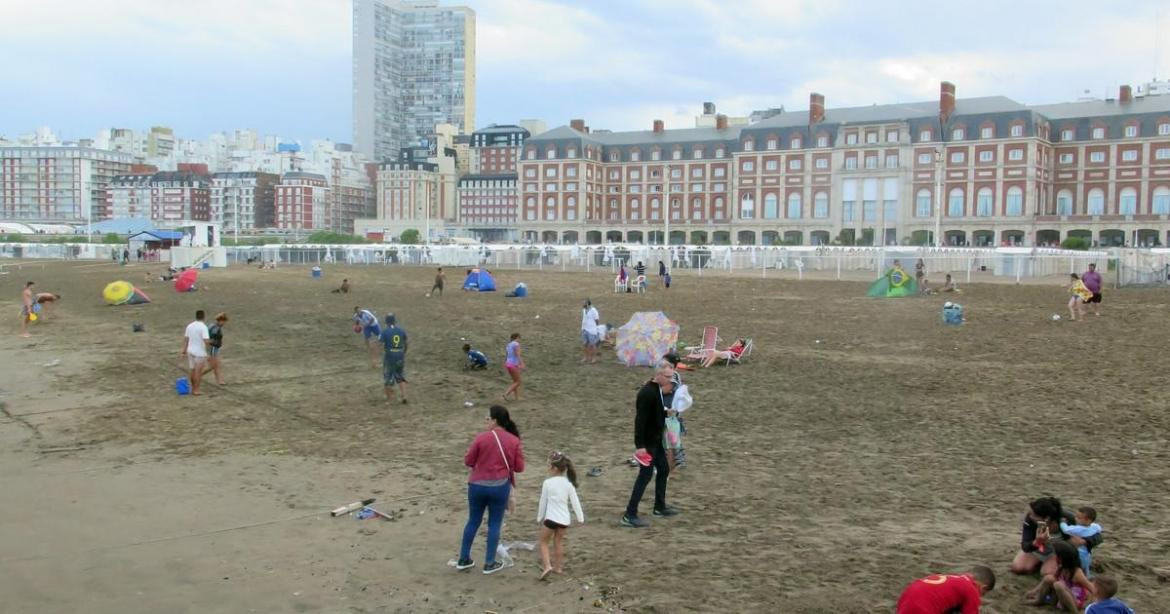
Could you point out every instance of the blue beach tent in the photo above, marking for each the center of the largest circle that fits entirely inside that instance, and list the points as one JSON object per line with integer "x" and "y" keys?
{"x": 479, "y": 280}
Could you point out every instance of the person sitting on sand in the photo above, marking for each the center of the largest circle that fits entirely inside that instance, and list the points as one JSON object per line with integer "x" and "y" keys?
{"x": 949, "y": 285}
{"x": 1067, "y": 586}
{"x": 709, "y": 357}
{"x": 1085, "y": 527}
{"x": 476, "y": 360}
{"x": 1105, "y": 589}
{"x": 343, "y": 289}
{"x": 941, "y": 594}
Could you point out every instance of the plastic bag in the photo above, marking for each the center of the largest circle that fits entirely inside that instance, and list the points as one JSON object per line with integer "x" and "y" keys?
{"x": 671, "y": 438}
{"x": 682, "y": 399}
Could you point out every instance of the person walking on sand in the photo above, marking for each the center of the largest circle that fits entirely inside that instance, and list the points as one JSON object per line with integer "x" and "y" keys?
{"x": 196, "y": 340}
{"x": 557, "y": 493}
{"x": 1092, "y": 281}
{"x": 215, "y": 346}
{"x": 495, "y": 457}
{"x": 26, "y": 308}
{"x": 394, "y": 358}
{"x": 513, "y": 364}
{"x": 649, "y": 427}
{"x": 1080, "y": 296}
{"x": 589, "y": 337}
{"x": 440, "y": 279}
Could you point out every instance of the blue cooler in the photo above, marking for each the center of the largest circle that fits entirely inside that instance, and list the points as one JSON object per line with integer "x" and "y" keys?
{"x": 316, "y": 271}
{"x": 952, "y": 314}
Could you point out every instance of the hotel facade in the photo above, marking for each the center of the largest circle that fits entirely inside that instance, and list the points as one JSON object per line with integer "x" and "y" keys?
{"x": 983, "y": 171}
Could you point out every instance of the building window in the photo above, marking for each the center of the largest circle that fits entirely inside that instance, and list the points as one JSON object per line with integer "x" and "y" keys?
{"x": 771, "y": 144}
{"x": 654, "y": 208}
{"x": 550, "y": 154}
{"x": 718, "y": 206}
{"x": 794, "y": 143}
{"x": 676, "y": 154}
{"x": 892, "y": 161}
{"x": 1096, "y": 202}
{"x": 696, "y": 187}
{"x": 922, "y": 204}
{"x": 1161, "y": 203}
{"x": 986, "y": 155}
{"x": 958, "y": 157}
{"x": 571, "y": 171}
{"x": 925, "y": 158}
{"x": 958, "y": 134}
{"x": 717, "y": 187}
{"x": 635, "y": 156}
{"x": 1131, "y": 131}
{"x": 749, "y": 145}
{"x": 1015, "y": 155}
{"x": 1066, "y": 134}
{"x": 771, "y": 206}
{"x": 821, "y": 163}
{"x": 1064, "y": 203}
{"x": 719, "y": 152}
{"x": 956, "y": 204}
{"x": 696, "y": 209}
{"x": 698, "y": 154}
{"x": 748, "y": 166}
{"x": 1127, "y": 203}
{"x": 1066, "y": 158}
{"x": 531, "y": 154}
{"x": 530, "y": 172}
{"x": 1162, "y": 153}
{"x": 924, "y": 135}
{"x": 1017, "y": 130}
{"x": 869, "y": 210}
{"x": 851, "y": 138}
{"x": 747, "y": 207}
{"x": 675, "y": 210}
{"x": 823, "y": 141}
{"x": 1129, "y": 155}
{"x": 770, "y": 165}
{"x": 1097, "y": 156}
{"x": 891, "y": 136}
{"x": 697, "y": 172}
{"x": 1098, "y": 133}
{"x": 550, "y": 187}
{"x": 871, "y": 162}
{"x": 851, "y": 162}
{"x": 987, "y": 132}
{"x": 871, "y": 137}
{"x": 550, "y": 171}
{"x": 794, "y": 164}
{"x": 719, "y": 171}
{"x": 656, "y": 155}
{"x": 821, "y": 205}
{"x": 983, "y": 202}
{"x": 794, "y": 206}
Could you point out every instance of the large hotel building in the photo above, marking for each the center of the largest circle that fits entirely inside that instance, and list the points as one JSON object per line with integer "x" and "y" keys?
{"x": 986, "y": 171}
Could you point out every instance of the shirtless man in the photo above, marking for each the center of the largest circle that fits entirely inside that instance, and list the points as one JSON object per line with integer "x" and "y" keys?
{"x": 26, "y": 308}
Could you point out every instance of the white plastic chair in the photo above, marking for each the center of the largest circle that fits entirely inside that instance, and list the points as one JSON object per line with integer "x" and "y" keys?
{"x": 619, "y": 284}
{"x": 640, "y": 284}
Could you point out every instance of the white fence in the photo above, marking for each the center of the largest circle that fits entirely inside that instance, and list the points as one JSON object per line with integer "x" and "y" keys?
{"x": 1126, "y": 266}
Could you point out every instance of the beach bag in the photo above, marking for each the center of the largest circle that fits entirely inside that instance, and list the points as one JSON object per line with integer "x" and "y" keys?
{"x": 672, "y": 438}
{"x": 682, "y": 399}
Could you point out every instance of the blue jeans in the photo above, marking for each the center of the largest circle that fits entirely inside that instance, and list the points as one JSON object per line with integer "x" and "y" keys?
{"x": 495, "y": 500}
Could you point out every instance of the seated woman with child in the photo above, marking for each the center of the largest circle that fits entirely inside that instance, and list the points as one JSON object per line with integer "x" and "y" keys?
{"x": 710, "y": 357}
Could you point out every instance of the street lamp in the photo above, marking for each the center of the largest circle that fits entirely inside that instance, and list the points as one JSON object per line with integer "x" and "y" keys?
{"x": 938, "y": 196}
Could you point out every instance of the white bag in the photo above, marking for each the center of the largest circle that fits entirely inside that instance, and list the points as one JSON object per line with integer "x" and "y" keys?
{"x": 682, "y": 399}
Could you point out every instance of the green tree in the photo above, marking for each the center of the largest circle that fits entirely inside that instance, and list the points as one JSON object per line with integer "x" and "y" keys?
{"x": 410, "y": 236}
{"x": 112, "y": 238}
{"x": 330, "y": 237}
{"x": 12, "y": 238}
{"x": 1079, "y": 243}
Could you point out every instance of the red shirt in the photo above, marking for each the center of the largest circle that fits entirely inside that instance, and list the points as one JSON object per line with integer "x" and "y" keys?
{"x": 483, "y": 456}
{"x": 938, "y": 594}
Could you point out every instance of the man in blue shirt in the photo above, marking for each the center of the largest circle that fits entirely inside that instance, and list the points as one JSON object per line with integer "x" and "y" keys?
{"x": 393, "y": 339}
{"x": 476, "y": 360}
{"x": 366, "y": 322}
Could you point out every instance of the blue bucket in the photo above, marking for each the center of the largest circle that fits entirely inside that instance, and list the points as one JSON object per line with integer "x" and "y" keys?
{"x": 316, "y": 271}
{"x": 206, "y": 265}
{"x": 953, "y": 314}
{"x": 182, "y": 386}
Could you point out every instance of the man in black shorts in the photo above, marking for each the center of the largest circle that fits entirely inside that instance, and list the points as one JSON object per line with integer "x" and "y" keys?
{"x": 1092, "y": 281}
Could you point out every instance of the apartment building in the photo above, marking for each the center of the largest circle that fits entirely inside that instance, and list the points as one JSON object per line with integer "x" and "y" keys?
{"x": 57, "y": 184}
{"x": 302, "y": 202}
{"x": 243, "y": 201}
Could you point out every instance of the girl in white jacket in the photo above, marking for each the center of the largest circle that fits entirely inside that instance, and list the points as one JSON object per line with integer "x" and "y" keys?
{"x": 558, "y": 491}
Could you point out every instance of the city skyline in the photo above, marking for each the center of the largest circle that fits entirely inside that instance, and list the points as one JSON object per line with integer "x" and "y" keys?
{"x": 287, "y": 71}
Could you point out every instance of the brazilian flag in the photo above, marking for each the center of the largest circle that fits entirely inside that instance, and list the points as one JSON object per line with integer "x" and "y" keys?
{"x": 896, "y": 283}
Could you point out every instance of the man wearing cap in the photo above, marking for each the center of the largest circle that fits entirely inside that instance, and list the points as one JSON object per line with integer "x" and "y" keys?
{"x": 649, "y": 424}
{"x": 1092, "y": 281}
{"x": 393, "y": 339}
{"x": 589, "y": 333}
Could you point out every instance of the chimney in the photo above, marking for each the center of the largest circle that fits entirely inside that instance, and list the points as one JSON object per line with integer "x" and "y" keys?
{"x": 577, "y": 124}
{"x": 816, "y": 108}
{"x": 946, "y": 100}
{"x": 721, "y": 122}
{"x": 1125, "y": 96}
{"x": 708, "y": 108}
{"x": 658, "y": 126}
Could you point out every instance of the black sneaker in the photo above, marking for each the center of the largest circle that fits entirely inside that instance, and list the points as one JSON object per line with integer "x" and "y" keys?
{"x": 493, "y": 567}
{"x": 666, "y": 511}
{"x": 634, "y": 522}
{"x": 464, "y": 564}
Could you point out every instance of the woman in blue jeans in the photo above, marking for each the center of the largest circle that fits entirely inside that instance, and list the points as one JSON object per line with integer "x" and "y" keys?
{"x": 495, "y": 457}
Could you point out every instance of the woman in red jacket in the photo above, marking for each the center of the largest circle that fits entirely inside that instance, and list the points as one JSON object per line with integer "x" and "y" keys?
{"x": 495, "y": 457}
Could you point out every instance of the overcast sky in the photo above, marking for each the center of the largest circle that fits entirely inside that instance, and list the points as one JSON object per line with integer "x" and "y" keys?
{"x": 283, "y": 66}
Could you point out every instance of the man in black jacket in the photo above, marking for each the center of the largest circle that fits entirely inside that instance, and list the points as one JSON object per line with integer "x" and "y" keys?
{"x": 649, "y": 424}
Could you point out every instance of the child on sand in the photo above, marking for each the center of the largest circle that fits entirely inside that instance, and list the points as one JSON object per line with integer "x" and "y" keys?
{"x": 1068, "y": 586}
{"x": 558, "y": 492}
{"x": 343, "y": 289}
{"x": 1086, "y": 526}
{"x": 476, "y": 360}
{"x": 1106, "y": 588}
{"x": 1080, "y": 295}
{"x": 938, "y": 594}
{"x": 514, "y": 363}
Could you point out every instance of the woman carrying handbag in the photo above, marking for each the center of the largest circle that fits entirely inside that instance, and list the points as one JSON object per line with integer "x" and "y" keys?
{"x": 495, "y": 457}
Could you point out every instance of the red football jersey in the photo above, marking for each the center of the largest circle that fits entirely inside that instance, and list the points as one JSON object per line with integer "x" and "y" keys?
{"x": 937, "y": 594}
